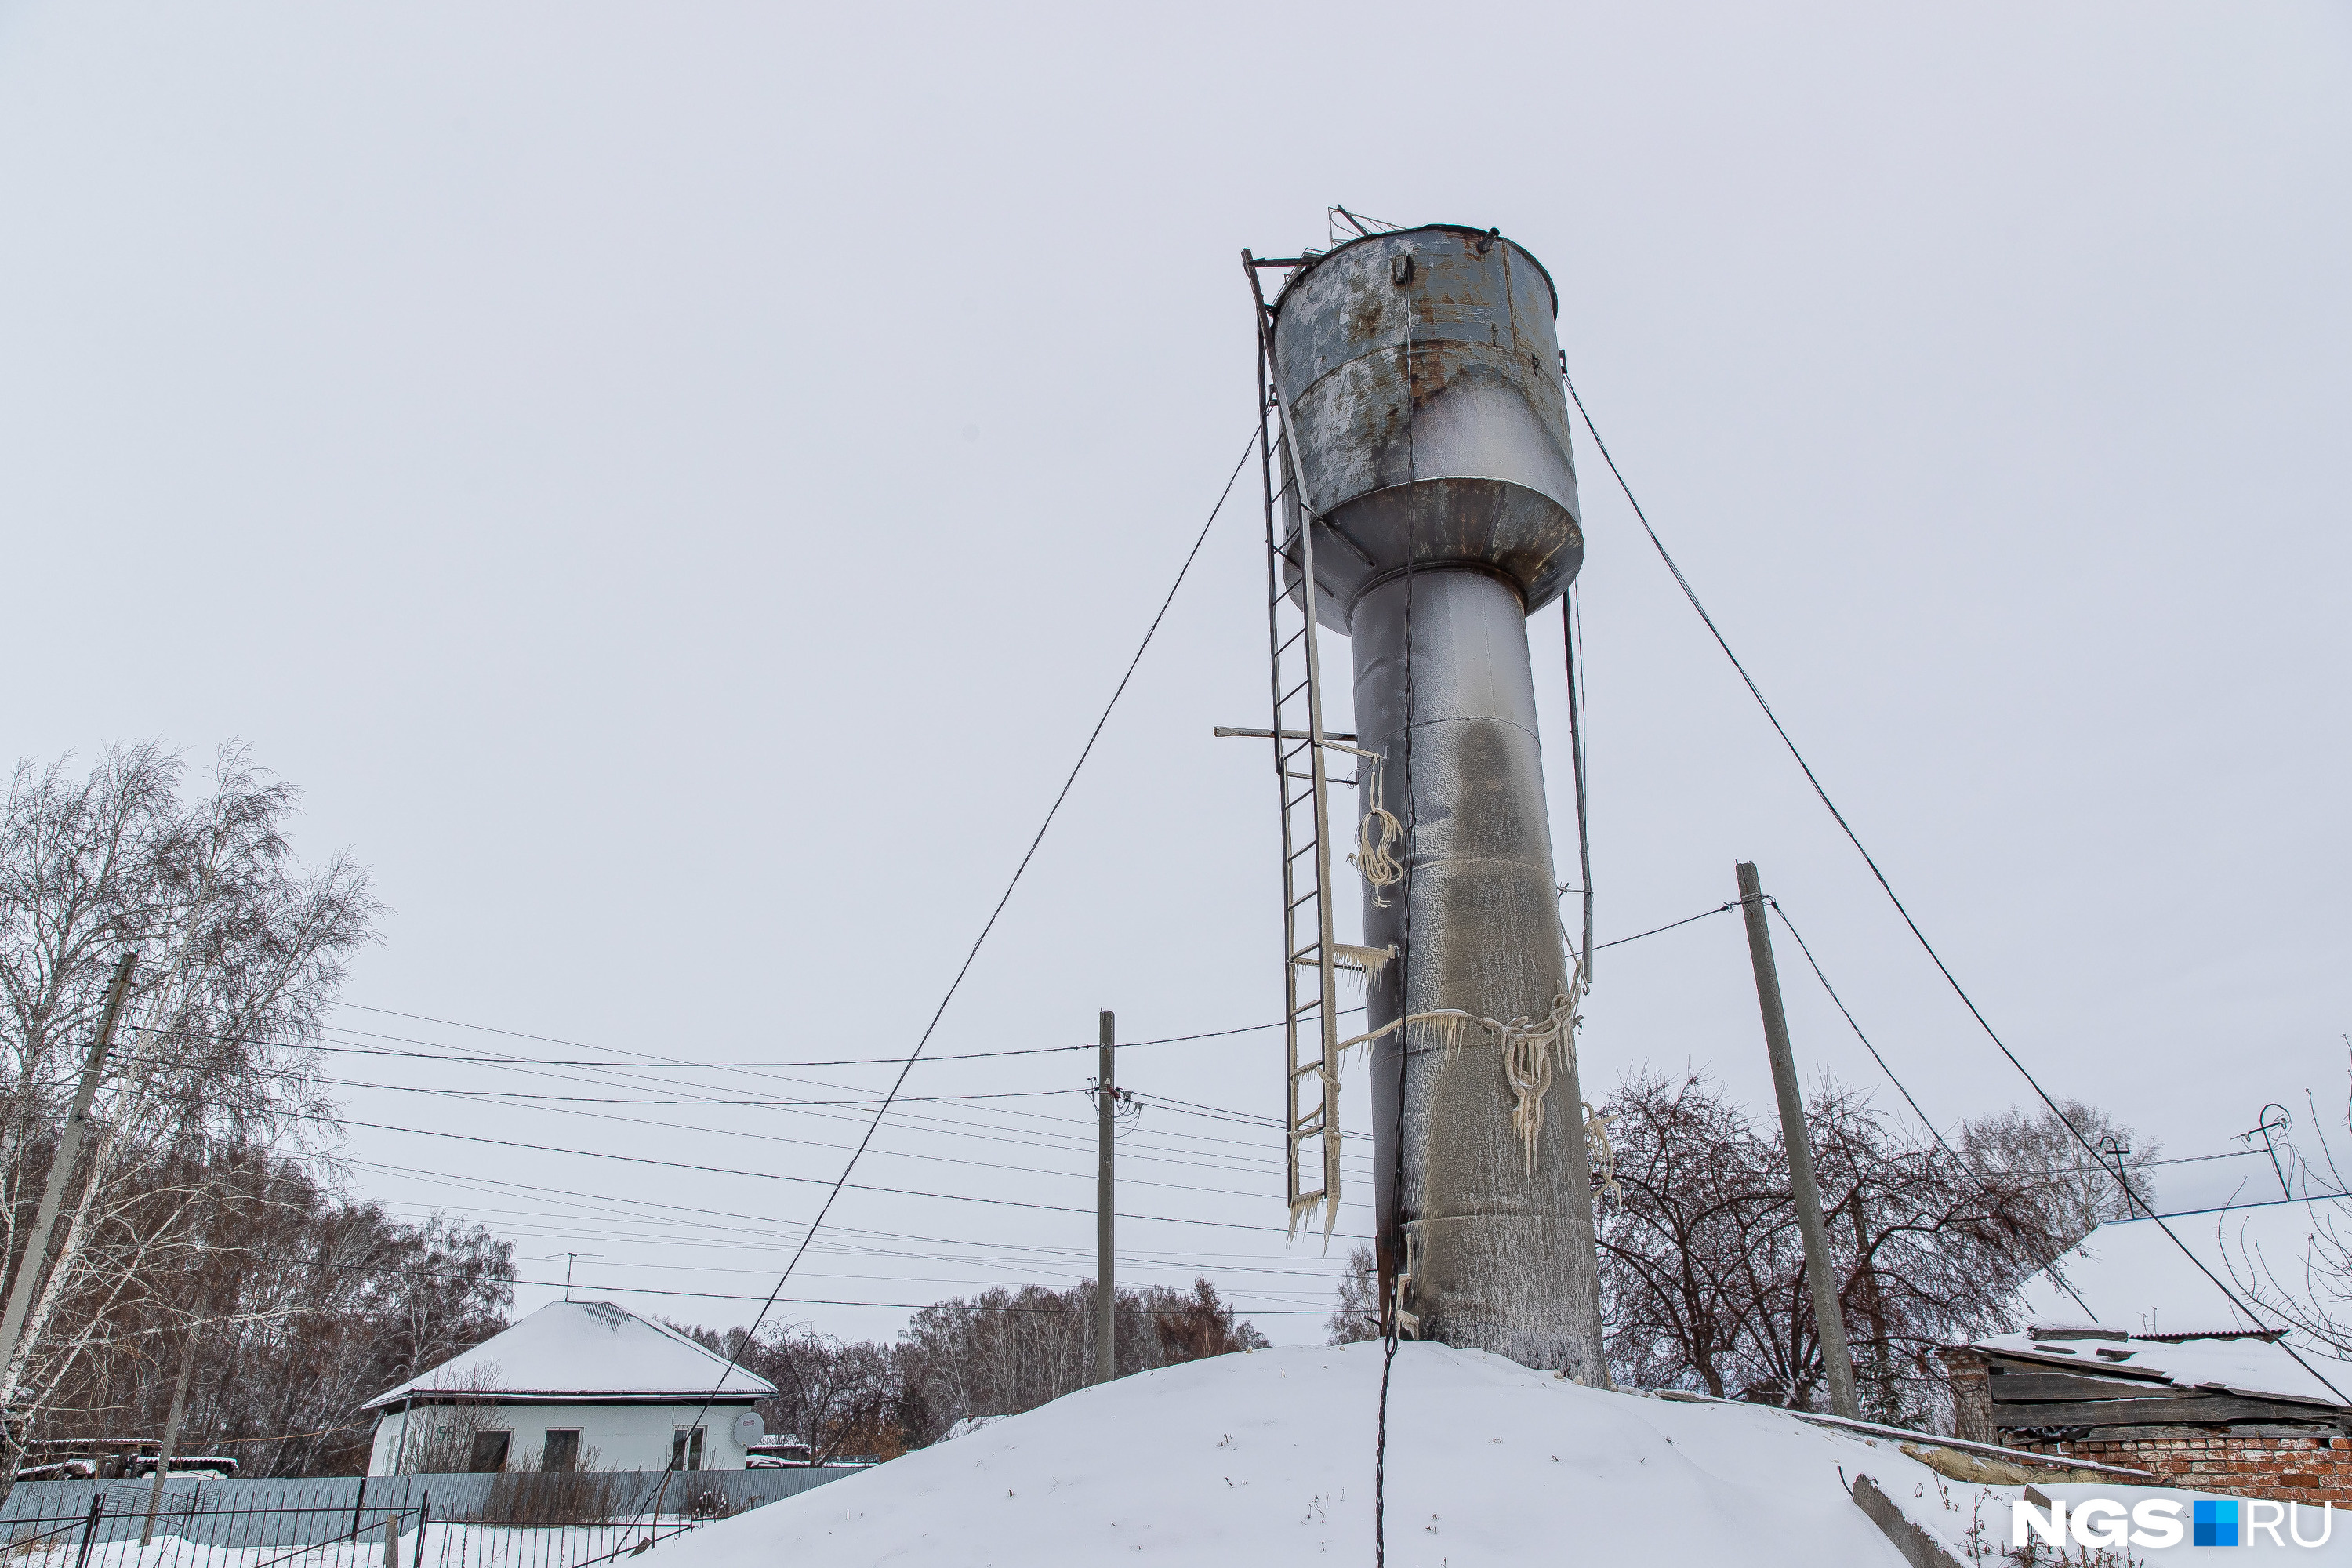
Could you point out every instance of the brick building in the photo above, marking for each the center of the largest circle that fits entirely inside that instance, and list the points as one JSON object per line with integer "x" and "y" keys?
{"x": 2136, "y": 1357}
{"x": 2227, "y": 1412}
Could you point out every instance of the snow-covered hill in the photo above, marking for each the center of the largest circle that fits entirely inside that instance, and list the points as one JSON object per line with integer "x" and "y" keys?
{"x": 1265, "y": 1458}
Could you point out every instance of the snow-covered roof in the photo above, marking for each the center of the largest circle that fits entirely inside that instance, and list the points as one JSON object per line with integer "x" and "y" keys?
{"x": 2246, "y": 1365}
{"x": 2130, "y": 1278}
{"x": 585, "y": 1350}
{"x": 2128, "y": 1275}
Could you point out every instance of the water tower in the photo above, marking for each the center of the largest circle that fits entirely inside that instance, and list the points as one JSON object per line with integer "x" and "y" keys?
{"x": 1420, "y": 501}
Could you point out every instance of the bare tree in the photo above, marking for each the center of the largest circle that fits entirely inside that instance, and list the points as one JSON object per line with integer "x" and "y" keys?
{"x": 2305, "y": 1283}
{"x": 1704, "y": 1270}
{"x": 303, "y": 1305}
{"x": 243, "y": 950}
{"x": 1359, "y": 1316}
{"x": 1000, "y": 1353}
{"x": 2072, "y": 1190}
{"x": 1700, "y": 1220}
{"x": 837, "y": 1397}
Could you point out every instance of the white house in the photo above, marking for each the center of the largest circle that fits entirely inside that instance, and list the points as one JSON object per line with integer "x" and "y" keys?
{"x": 575, "y": 1385}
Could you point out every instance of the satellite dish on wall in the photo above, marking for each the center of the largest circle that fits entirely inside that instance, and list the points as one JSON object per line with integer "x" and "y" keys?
{"x": 749, "y": 1428}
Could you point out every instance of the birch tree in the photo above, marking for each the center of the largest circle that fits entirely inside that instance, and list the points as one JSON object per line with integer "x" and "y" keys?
{"x": 242, "y": 950}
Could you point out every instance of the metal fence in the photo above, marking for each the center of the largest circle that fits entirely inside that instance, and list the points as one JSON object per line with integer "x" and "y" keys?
{"x": 386, "y": 1521}
{"x": 455, "y": 1496}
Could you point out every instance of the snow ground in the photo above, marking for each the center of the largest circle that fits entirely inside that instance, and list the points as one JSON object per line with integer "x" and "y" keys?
{"x": 1264, "y": 1458}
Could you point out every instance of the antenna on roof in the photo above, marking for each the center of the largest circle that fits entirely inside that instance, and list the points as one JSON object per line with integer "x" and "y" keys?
{"x": 568, "y": 1257}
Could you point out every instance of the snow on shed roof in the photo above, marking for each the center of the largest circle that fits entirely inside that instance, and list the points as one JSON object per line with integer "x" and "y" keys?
{"x": 2251, "y": 1366}
{"x": 585, "y": 1350}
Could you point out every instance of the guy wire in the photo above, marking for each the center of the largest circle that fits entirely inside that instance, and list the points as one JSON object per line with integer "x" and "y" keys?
{"x": 653, "y": 1505}
{"x": 1888, "y": 887}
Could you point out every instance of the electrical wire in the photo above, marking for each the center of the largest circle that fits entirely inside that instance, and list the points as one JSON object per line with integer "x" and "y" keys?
{"x": 1149, "y": 1147}
{"x": 892, "y": 1153}
{"x": 803, "y": 1181}
{"x": 1964, "y": 1168}
{"x": 649, "y": 1059}
{"x": 841, "y": 1182}
{"x": 1790, "y": 926}
{"x": 1673, "y": 925}
{"x": 1888, "y": 887}
{"x": 502, "y": 1186}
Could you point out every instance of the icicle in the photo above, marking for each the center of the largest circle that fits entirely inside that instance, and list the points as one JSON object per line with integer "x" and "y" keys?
{"x": 1349, "y": 1045}
{"x": 1596, "y": 1136}
{"x": 1367, "y": 962}
{"x": 1445, "y": 1026}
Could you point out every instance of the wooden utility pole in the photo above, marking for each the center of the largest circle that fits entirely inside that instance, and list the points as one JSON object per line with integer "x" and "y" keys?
{"x": 61, "y": 1164}
{"x": 1106, "y": 1287}
{"x": 1829, "y": 1320}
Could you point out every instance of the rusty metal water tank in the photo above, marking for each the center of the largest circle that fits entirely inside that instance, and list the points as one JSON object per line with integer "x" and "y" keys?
{"x": 1421, "y": 371}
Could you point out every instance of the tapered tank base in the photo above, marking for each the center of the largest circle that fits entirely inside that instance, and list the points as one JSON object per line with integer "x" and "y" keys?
{"x": 1502, "y": 1257}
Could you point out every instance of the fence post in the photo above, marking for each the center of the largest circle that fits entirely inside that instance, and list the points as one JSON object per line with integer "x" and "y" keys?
{"x": 392, "y": 1539}
{"x": 358, "y": 1503}
{"x": 424, "y": 1512}
{"x": 89, "y": 1530}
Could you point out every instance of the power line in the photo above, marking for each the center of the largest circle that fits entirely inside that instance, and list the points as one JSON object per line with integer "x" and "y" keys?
{"x": 803, "y": 1181}
{"x": 1791, "y": 927}
{"x": 1671, "y": 925}
{"x": 737, "y": 1103}
{"x": 1206, "y": 1160}
{"x": 502, "y": 1186}
{"x": 648, "y": 1059}
{"x": 893, "y": 1154}
{"x": 1884, "y": 885}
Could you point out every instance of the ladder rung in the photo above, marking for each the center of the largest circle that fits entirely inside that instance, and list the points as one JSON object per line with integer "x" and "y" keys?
{"x": 1309, "y": 1008}
{"x": 1302, "y": 850}
{"x": 1288, "y": 695}
{"x": 1292, "y": 638}
{"x": 1309, "y": 896}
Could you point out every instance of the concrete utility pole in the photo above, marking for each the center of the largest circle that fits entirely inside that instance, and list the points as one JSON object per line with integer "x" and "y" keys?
{"x": 1828, "y": 1320}
{"x": 61, "y": 1164}
{"x": 171, "y": 1432}
{"x": 1106, "y": 1287}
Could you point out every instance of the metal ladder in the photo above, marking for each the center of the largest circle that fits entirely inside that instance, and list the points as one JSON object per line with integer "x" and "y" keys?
{"x": 1311, "y": 1041}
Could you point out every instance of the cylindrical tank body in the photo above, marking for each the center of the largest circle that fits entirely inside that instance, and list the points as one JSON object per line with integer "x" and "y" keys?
{"x": 1419, "y": 371}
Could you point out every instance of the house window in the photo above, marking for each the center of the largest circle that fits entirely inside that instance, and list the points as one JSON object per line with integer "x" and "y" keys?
{"x": 487, "y": 1453}
{"x": 563, "y": 1450}
{"x": 686, "y": 1448}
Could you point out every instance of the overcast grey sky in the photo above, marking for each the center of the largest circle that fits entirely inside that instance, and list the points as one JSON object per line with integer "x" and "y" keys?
{"x": 675, "y": 485}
